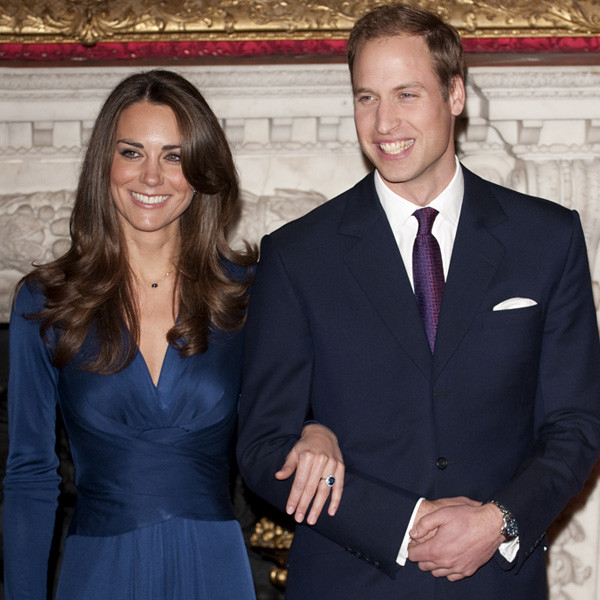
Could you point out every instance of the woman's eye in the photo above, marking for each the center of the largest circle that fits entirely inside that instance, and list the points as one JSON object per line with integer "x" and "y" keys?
{"x": 173, "y": 157}
{"x": 128, "y": 153}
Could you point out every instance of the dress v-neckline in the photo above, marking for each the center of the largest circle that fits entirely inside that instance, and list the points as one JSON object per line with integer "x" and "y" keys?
{"x": 147, "y": 369}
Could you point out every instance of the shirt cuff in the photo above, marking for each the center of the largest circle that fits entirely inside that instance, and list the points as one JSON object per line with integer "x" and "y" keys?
{"x": 509, "y": 549}
{"x": 403, "y": 552}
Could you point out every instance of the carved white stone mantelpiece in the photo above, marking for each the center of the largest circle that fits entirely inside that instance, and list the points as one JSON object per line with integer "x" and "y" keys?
{"x": 533, "y": 128}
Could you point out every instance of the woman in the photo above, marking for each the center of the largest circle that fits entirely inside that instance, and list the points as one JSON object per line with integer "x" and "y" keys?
{"x": 136, "y": 334}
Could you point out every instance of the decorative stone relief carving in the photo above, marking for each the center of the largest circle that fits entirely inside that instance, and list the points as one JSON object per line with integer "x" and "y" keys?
{"x": 565, "y": 567}
{"x": 33, "y": 228}
{"x": 264, "y": 214}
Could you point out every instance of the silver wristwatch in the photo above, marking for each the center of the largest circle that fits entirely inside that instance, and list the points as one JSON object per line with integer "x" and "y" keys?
{"x": 510, "y": 528}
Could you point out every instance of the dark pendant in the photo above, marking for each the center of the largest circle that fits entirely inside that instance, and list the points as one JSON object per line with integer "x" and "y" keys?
{"x": 155, "y": 285}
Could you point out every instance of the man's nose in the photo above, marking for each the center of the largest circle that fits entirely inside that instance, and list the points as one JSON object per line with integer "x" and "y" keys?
{"x": 387, "y": 117}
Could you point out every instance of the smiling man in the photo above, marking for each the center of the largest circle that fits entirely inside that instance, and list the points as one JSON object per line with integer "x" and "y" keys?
{"x": 443, "y": 328}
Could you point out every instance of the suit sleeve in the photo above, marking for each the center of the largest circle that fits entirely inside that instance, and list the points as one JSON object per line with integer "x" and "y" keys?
{"x": 31, "y": 482}
{"x": 567, "y": 405}
{"x": 275, "y": 403}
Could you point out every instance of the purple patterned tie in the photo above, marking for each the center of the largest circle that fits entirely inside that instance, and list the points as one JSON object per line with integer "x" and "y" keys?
{"x": 428, "y": 272}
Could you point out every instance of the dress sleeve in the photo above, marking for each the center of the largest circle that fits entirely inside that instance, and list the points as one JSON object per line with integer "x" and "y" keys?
{"x": 31, "y": 482}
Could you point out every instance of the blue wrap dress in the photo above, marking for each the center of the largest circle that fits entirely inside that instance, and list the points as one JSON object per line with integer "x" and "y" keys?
{"x": 153, "y": 517}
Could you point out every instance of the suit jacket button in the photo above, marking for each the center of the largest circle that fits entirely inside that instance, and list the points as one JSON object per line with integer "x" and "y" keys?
{"x": 441, "y": 463}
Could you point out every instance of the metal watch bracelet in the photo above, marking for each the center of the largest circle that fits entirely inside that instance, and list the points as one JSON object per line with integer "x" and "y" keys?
{"x": 510, "y": 528}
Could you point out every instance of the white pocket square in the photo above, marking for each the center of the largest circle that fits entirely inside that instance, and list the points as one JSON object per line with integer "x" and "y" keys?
{"x": 512, "y": 303}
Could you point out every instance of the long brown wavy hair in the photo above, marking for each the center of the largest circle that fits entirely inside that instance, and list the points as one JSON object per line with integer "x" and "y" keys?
{"x": 91, "y": 285}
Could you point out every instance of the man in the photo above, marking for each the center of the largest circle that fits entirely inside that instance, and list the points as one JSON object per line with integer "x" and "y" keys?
{"x": 464, "y": 429}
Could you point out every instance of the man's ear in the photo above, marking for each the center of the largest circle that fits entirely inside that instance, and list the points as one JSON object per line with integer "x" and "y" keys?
{"x": 457, "y": 97}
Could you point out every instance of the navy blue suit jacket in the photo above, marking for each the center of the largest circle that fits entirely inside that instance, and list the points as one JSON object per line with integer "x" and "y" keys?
{"x": 507, "y": 408}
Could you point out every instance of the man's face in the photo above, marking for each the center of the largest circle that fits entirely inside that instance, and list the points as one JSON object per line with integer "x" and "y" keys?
{"x": 404, "y": 126}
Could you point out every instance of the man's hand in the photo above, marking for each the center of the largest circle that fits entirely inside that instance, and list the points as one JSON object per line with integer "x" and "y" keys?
{"x": 453, "y": 539}
{"x": 429, "y": 506}
{"x": 315, "y": 456}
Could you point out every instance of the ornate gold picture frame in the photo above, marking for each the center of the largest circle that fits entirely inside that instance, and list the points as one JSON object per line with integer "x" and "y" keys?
{"x": 89, "y": 22}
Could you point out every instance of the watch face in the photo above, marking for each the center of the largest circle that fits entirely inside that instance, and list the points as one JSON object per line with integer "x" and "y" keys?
{"x": 511, "y": 530}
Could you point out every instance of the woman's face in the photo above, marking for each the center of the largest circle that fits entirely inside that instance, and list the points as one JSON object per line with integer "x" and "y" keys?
{"x": 146, "y": 180}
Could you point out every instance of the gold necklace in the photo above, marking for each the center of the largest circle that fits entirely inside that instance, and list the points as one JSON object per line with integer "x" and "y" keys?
{"x": 153, "y": 284}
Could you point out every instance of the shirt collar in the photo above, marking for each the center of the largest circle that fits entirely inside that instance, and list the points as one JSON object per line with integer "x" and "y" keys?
{"x": 448, "y": 203}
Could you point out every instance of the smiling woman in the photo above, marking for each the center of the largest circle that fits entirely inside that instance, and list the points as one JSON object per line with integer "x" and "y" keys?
{"x": 146, "y": 376}
{"x": 146, "y": 179}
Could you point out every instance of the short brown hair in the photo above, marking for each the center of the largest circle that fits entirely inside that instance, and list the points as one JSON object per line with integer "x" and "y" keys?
{"x": 443, "y": 40}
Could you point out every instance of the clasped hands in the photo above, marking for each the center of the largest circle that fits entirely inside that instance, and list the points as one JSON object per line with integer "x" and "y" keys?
{"x": 453, "y": 537}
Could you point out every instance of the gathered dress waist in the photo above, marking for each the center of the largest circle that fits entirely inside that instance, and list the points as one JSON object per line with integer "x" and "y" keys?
{"x": 126, "y": 481}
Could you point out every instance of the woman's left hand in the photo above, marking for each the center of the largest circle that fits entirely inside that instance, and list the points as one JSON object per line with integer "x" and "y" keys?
{"x": 315, "y": 458}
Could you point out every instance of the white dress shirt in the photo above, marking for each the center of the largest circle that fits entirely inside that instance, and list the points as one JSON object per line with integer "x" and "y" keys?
{"x": 399, "y": 212}
{"x": 404, "y": 225}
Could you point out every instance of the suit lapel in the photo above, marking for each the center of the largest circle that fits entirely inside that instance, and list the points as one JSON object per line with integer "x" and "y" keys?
{"x": 475, "y": 258}
{"x": 377, "y": 266}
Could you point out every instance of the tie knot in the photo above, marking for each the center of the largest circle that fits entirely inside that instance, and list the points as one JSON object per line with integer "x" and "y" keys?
{"x": 425, "y": 216}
